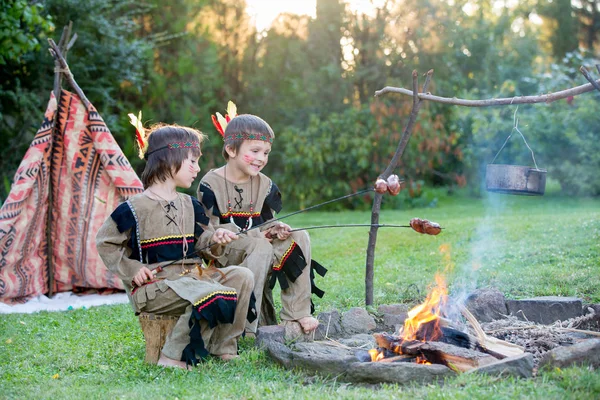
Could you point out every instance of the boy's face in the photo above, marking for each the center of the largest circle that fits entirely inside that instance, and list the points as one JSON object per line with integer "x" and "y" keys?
{"x": 184, "y": 178}
{"x": 252, "y": 156}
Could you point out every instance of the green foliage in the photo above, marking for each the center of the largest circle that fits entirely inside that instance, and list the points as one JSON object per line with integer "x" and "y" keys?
{"x": 22, "y": 27}
{"x": 346, "y": 152}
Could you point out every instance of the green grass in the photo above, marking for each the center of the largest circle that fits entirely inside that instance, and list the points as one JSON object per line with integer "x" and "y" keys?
{"x": 519, "y": 245}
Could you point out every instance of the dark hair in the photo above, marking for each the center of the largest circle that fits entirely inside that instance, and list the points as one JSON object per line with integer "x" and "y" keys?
{"x": 245, "y": 123}
{"x": 161, "y": 160}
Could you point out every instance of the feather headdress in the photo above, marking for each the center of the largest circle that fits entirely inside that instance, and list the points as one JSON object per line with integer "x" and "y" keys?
{"x": 140, "y": 133}
{"x": 220, "y": 122}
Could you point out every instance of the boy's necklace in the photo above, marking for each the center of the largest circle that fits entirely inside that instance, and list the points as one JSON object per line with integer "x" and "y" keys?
{"x": 239, "y": 202}
{"x": 167, "y": 208}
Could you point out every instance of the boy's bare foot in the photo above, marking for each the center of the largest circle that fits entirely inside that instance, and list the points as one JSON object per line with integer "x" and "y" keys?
{"x": 165, "y": 361}
{"x": 228, "y": 357}
{"x": 308, "y": 324}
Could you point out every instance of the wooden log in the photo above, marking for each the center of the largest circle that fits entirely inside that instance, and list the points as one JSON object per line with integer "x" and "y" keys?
{"x": 456, "y": 358}
{"x": 156, "y": 328}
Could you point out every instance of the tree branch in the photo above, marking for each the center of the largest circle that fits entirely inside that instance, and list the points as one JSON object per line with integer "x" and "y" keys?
{"x": 544, "y": 98}
{"x": 587, "y": 76}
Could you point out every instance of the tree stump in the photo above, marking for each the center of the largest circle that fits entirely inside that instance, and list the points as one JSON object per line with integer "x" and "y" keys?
{"x": 156, "y": 328}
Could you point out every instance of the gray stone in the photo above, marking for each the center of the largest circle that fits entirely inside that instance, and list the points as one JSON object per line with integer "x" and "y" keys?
{"x": 270, "y": 333}
{"x": 361, "y": 340}
{"x": 279, "y": 352}
{"x": 583, "y": 353}
{"x": 545, "y": 310}
{"x": 400, "y": 373}
{"x": 520, "y": 366}
{"x": 395, "y": 309}
{"x": 324, "y": 348}
{"x": 357, "y": 320}
{"x": 330, "y": 325}
{"x": 487, "y": 305}
{"x": 391, "y": 322}
{"x": 323, "y": 364}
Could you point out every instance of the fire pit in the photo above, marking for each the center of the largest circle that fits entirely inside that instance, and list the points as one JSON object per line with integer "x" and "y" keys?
{"x": 429, "y": 346}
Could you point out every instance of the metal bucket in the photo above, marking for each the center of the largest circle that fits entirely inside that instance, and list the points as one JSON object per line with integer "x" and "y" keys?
{"x": 515, "y": 179}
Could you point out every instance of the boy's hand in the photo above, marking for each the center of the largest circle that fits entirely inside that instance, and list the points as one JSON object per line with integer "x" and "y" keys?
{"x": 223, "y": 236}
{"x": 142, "y": 276}
{"x": 281, "y": 231}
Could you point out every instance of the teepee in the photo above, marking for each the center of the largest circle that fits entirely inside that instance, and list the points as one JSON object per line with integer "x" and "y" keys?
{"x": 71, "y": 178}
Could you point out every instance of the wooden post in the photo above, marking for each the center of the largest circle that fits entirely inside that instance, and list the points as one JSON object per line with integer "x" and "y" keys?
{"x": 370, "y": 262}
{"x": 64, "y": 45}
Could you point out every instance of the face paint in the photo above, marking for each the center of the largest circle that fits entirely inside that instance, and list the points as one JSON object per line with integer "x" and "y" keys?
{"x": 248, "y": 158}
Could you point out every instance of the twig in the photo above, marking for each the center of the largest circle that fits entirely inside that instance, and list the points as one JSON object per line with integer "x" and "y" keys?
{"x": 592, "y": 333}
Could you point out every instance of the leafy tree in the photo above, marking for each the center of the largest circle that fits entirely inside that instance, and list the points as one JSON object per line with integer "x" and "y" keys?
{"x": 560, "y": 26}
{"x": 22, "y": 26}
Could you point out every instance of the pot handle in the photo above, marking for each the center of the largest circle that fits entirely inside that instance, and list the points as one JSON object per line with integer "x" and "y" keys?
{"x": 516, "y": 128}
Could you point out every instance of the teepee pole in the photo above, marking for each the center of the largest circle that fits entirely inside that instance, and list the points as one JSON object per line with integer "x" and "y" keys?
{"x": 65, "y": 45}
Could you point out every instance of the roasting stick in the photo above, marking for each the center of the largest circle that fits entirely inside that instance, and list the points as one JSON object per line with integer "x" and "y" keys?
{"x": 197, "y": 252}
{"x": 349, "y": 226}
{"x": 497, "y": 345}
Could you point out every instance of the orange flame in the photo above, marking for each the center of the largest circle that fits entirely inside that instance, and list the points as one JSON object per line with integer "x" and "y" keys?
{"x": 427, "y": 312}
{"x": 376, "y": 355}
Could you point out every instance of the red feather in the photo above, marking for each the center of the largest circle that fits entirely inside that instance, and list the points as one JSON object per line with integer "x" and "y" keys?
{"x": 140, "y": 139}
{"x": 217, "y": 125}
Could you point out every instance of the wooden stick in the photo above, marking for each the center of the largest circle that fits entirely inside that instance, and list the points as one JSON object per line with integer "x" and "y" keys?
{"x": 489, "y": 342}
{"x": 370, "y": 259}
{"x": 587, "y": 76}
{"x": 544, "y": 98}
{"x": 57, "y": 54}
{"x": 592, "y": 333}
{"x": 57, "y": 89}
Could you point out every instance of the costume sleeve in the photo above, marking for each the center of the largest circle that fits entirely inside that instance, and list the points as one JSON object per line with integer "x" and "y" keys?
{"x": 208, "y": 200}
{"x": 204, "y": 231}
{"x": 271, "y": 206}
{"x": 112, "y": 244}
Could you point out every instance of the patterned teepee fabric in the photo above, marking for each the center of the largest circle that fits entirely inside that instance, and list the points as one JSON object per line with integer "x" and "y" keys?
{"x": 90, "y": 177}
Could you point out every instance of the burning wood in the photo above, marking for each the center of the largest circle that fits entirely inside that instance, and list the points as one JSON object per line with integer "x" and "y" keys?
{"x": 428, "y": 337}
{"x": 457, "y": 358}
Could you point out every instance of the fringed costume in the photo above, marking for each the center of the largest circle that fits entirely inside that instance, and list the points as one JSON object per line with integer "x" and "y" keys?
{"x": 241, "y": 206}
{"x": 212, "y": 303}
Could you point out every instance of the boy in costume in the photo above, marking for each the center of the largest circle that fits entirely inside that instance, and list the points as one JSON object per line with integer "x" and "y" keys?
{"x": 152, "y": 243}
{"x": 238, "y": 197}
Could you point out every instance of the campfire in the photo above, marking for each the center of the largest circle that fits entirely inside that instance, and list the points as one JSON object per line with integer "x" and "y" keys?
{"x": 429, "y": 337}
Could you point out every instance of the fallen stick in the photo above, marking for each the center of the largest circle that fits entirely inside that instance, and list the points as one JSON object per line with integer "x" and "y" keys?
{"x": 496, "y": 345}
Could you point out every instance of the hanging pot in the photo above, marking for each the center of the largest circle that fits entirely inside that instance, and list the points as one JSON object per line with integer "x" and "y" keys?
{"x": 515, "y": 179}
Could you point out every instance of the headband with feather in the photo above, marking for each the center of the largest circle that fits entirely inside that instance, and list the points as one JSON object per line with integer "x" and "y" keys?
{"x": 220, "y": 122}
{"x": 140, "y": 133}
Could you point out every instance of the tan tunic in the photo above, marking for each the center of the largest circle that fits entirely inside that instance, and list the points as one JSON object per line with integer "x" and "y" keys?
{"x": 231, "y": 206}
{"x": 146, "y": 232}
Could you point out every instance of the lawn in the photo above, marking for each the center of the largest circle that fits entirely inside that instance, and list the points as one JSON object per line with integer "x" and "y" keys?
{"x": 523, "y": 246}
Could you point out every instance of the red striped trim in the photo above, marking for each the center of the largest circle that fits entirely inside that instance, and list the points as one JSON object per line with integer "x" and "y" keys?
{"x": 180, "y": 241}
{"x": 232, "y": 298}
{"x": 286, "y": 255}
